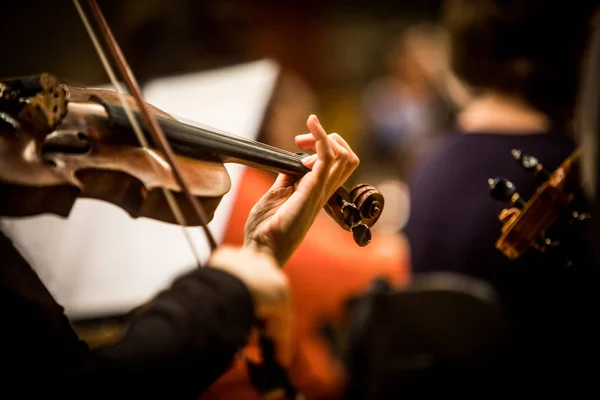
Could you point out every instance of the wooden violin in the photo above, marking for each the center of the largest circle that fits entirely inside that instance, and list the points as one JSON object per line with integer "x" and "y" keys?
{"x": 59, "y": 142}
{"x": 530, "y": 224}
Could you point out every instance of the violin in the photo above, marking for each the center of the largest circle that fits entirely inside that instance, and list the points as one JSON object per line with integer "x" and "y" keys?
{"x": 61, "y": 142}
{"x": 549, "y": 213}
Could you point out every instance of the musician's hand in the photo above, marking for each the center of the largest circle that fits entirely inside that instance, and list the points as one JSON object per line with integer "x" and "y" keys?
{"x": 279, "y": 221}
{"x": 269, "y": 289}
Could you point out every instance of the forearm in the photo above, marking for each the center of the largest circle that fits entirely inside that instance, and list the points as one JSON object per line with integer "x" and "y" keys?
{"x": 182, "y": 342}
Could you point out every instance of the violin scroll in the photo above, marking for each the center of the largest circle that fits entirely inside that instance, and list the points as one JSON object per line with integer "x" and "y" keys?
{"x": 356, "y": 211}
{"x": 369, "y": 202}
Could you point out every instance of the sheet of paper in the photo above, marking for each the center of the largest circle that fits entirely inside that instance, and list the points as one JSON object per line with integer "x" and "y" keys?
{"x": 99, "y": 261}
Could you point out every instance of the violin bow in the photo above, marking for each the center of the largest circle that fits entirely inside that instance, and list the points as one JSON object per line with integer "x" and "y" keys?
{"x": 152, "y": 125}
{"x": 270, "y": 374}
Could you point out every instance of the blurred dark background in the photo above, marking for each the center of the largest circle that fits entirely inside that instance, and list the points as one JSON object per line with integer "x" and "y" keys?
{"x": 331, "y": 43}
{"x": 336, "y": 50}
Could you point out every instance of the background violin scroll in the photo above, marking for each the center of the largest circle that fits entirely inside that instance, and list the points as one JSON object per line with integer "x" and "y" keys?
{"x": 532, "y": 223}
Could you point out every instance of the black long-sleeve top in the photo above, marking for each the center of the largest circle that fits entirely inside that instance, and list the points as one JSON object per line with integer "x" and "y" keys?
{"x": 179, "y": 345}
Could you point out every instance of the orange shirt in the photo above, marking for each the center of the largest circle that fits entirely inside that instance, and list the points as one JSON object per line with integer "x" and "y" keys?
{"x": 326, "y": 269}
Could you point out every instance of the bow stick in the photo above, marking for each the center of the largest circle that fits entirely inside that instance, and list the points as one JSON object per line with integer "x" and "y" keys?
{"x": 272, "y": 382}
{"x": 150, "y": 122}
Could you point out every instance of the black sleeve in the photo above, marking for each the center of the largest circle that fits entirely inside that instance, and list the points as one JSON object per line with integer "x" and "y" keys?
{"x": 184, "y": 340}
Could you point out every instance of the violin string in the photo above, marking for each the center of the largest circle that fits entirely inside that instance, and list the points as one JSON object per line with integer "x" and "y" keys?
{"x": 206, "y": 131}
{"x": 138, "y": 132}
{"x": 151, "y": 121}
{"x": 239, "y": 138}
{"x": 255, "y": 145}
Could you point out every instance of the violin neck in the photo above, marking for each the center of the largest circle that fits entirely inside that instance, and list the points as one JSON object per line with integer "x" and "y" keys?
{"x": 200, "y": 142}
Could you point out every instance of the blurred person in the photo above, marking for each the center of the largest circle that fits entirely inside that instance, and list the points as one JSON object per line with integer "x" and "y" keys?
{"x": 404, "y": 110}
{"x": 188, "y": 334}
{"x": 325, "y": 271}
{"x": 523, "y": 58}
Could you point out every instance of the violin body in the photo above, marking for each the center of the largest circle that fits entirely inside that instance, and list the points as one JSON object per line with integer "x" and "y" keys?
{"x": 62, "y": 147}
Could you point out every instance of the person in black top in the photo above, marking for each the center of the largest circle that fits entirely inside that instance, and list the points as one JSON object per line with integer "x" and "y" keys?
{"x": 523, "y": 59}
{"x": 188, "y": 334}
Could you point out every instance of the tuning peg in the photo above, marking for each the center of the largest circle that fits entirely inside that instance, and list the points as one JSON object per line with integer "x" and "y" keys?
{"x": 504, "y": 190}
{"x": 530, "y": 163}
{"x": 352, "y": 215}
{"x": 362, "y": 234}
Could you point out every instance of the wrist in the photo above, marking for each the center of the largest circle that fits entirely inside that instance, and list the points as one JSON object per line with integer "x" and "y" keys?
{"x": 262, "y": 249}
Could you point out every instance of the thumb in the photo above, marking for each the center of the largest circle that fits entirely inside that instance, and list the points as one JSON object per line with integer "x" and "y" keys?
{"x": 282, "y": 181}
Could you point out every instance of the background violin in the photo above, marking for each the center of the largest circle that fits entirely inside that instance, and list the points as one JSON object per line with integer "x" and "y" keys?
{"x": 533, "y": 223}
{"x": 545, "y": 220}
{"x": 61, "y": 142}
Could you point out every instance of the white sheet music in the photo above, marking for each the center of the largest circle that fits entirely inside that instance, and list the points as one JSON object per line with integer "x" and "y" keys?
{"x": 100, "y": 261}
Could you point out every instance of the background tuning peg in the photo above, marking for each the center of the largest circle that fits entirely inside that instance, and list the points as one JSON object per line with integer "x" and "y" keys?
{"x": 577, "y": 216}
{"x": 502, "y": 189}
{"x": 548, "y": 243}
{"x": 530, "y": 163}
